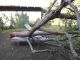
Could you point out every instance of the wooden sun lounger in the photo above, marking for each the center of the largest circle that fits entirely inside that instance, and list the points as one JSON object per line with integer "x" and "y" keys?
{"x": 18, "y": 34}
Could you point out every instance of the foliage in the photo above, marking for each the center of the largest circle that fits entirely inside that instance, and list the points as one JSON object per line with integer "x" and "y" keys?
{"x": 6, "y": 18}
{"x": 49, "y": 23}
{"x": 12, "y": 22}
{"x": 36, "y": 22}
{"x": 77, "y": 3}
{"x": 21, "y": 19}
{"x": 1, "y": 24}
{"x": 69, "y": 24}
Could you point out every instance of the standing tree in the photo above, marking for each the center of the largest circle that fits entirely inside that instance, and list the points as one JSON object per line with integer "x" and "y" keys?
{"x": 21, "y": 19}
{"x": 12, "y": 22}
{"x": 1, "y": 24}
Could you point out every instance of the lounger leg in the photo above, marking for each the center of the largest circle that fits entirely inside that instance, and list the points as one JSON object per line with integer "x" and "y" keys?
{"x": 33, "y": 51}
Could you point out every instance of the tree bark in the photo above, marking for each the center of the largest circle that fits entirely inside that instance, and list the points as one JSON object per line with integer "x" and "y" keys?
{"x": 45, "y": 20}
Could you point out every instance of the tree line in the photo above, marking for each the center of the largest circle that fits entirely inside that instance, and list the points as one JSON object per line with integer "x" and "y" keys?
{"x": 13, "y": 22}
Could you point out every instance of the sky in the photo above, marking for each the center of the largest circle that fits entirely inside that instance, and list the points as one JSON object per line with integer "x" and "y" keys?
{"x": 37, "y": 3}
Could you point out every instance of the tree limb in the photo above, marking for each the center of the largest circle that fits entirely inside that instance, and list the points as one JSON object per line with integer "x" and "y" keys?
{"x": 76, "y": 12}
{"x": 45, "y": 20}
{"x": 71, "y": 46}
{"x": 66, "y": 16}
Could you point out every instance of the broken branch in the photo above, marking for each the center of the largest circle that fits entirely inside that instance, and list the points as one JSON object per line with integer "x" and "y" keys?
{"x": 71, "y": 46}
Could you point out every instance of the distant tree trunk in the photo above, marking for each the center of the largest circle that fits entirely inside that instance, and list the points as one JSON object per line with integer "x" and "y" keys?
{"x": 1, "y": 24}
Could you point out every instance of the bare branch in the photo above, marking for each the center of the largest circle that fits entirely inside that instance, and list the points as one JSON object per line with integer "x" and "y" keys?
{"x": 66, "y": 16}
{"x": 71, "y": 46}
{"x": 45, "y": 20}
{"x": 76, "y": 12}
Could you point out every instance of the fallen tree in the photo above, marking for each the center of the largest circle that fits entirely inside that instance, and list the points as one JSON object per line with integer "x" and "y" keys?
{"x": 51, "y": 14}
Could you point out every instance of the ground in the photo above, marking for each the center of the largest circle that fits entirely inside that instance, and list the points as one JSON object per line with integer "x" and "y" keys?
{"x": 10, "y": 52}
